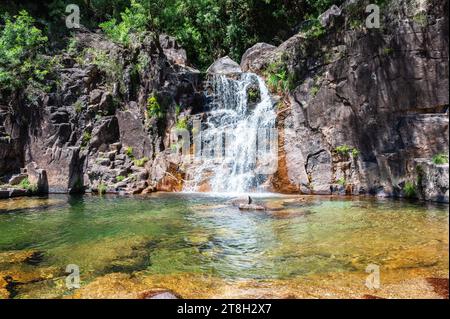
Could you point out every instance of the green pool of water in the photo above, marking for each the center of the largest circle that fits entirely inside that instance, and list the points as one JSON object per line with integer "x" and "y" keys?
{"x": 167, "y": 234}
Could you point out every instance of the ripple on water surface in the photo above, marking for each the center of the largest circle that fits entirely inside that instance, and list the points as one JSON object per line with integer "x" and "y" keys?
{"x": 160, "y": 237}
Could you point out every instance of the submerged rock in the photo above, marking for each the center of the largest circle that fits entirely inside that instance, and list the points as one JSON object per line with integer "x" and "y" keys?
{"x": 121, "y": 286}
{"x": 159, "y": 295}
{"x": 241, "y": 201}
{"x": 251, "y": 207}
{"x": 17, "y": 257}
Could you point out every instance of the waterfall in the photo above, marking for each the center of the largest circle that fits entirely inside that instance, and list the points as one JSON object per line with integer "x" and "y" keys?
{"x": 232, "y": 152}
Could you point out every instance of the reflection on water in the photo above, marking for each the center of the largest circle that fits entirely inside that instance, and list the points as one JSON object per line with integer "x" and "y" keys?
{"x": 164, "y": 238}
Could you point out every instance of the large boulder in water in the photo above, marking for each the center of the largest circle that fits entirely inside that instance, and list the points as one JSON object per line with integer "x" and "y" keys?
{"x": 224, "y": 66}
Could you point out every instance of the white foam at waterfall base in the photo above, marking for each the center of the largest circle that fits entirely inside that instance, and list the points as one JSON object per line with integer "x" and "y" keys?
{"x": 231, "y": 123}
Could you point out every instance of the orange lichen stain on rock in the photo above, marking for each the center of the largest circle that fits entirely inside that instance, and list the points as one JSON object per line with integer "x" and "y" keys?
{"x": 172, "y": 180}
{"x": 440, "y": 286}
{"x": 204, "y": 188}
{"x": 280, "y": 180}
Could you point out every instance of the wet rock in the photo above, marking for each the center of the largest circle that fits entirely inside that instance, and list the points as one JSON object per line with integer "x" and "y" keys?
{"x": 244, "y": 200}
{"x": 139, "y": 187}
{"x": 111, "y": 286}
{"x": 17, "y": 192}
{"x": 149, "y": 189}
{"x": 167, "y": 175}
{"x": 251, "y": 207}
{"x": 159, "y": 294}
{"x": 4, "y": 194}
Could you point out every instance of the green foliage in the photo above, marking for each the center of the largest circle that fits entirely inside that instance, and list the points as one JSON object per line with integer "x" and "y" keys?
{"x": 182, "y": 124}
{"x": 421, "y": 19}
{"x": 102, "y": 188}
{"x": 388, "y": 51}
{"x": 341, "y": 181}
{"x": 21, "y": 48}
{"x": 354, "y": 153}
{"x": 345, "y": 150}
{"x": 25, "y": 184}
{"x": 278, "y": 79}
{"x": 72, "y": 46}
{"x": 141, "y": 162}
{"x": 154, "y": 109}
{"x": 208, "y": 29}
{"x": 133, "y": 20}
{"x": 120, "y": 178}
{"x": 253, "y": 95}
{"x": 86, "y": 138}
{"x": 314, "y": 90}
{"x": 409, "y": 190}
{"x": 440, "y": 159}
{"x": 315, "y": 30}
{"x": 177, "y": 110}
{"x": 78, "y": 106}
{"x": 109, "y": 66}
{"x": 129, "y": 152}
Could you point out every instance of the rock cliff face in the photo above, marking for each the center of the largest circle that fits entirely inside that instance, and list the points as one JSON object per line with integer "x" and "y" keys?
{"x": 361, "y": 111}
{"x": 95, "y": 130}
{"x": 367, "y": 103}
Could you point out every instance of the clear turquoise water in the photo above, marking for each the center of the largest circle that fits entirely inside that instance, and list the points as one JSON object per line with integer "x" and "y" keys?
{"x": 181, "y": 233}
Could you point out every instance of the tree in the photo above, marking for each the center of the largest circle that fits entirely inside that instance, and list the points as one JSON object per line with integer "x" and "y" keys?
{"x": 21, "y": 45}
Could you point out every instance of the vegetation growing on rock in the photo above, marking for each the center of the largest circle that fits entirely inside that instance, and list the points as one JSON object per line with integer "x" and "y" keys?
{"x": 440, "y": 159}
{"x": 22, "y": 60}
{"x": 345, "y": 150}
{"x": 154, "y": 109}
{"x": 410, "y": 190}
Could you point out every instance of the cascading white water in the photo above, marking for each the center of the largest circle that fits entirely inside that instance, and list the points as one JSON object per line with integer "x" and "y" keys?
{"x": 232, "y": 126}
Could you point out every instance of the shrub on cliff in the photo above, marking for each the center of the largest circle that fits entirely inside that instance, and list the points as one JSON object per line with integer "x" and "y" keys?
{"x": 440, "y": 159}
{"x": 134, "y": 20}
{"x": 21, "y": 49}
{"x": 209, "y": 29}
